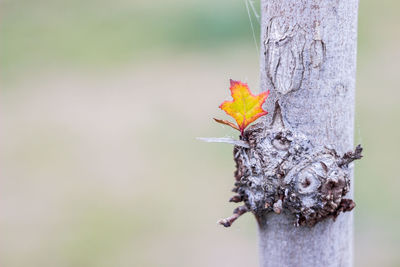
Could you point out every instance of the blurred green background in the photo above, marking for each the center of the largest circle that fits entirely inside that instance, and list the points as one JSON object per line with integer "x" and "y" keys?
{"x": 102, "y": 102}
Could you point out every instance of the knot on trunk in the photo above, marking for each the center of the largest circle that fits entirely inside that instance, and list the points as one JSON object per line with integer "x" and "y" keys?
{"x": 282, "y": 171}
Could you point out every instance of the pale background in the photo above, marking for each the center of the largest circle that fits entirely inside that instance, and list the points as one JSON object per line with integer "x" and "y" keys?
{"x": 101, "y": 102}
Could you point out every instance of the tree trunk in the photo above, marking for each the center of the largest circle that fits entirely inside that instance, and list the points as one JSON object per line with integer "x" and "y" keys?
{"x": 308, "y": 62}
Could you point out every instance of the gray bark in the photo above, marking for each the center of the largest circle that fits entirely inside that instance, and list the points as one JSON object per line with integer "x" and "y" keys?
{"x": 308, "y": 62}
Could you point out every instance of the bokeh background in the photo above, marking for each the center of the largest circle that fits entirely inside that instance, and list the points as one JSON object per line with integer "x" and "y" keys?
{"x": 101, "y": 102}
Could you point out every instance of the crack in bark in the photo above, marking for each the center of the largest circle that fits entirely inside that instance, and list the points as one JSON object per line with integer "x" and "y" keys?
{"x": 284, "y": 48}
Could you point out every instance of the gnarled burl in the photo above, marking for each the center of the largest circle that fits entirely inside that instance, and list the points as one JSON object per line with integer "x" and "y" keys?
{"x": 282, "y": 171}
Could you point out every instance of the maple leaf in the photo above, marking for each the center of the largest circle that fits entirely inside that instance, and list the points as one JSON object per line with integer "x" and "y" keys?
{"x": 245, "y": 107}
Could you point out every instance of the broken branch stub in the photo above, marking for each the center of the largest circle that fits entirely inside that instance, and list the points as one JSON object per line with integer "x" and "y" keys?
{"x": 283, "y": 171}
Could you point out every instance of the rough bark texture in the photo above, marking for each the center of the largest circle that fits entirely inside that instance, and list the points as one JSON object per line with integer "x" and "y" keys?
{"x": 308, "y": 64}
{"x": 280, "y": 170}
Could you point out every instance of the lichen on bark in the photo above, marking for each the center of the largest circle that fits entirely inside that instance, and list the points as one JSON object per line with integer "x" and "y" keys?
{"x": 283, "y": 171}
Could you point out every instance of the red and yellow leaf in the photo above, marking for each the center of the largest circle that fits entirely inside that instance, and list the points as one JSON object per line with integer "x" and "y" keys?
{"x": 245, "y": 107}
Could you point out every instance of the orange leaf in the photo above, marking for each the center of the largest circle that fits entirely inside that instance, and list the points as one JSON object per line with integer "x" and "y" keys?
{"x": 245, "y": 107}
